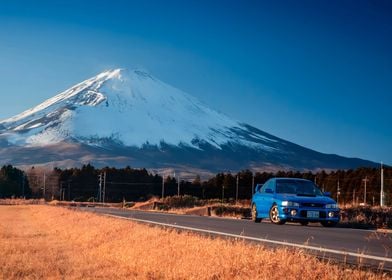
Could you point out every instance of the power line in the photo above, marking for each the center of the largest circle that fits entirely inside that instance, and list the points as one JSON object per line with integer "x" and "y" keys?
{"x": 120, "y": 183}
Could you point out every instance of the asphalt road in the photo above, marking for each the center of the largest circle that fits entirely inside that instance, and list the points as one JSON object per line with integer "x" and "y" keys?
{"x": 353, "y": 246}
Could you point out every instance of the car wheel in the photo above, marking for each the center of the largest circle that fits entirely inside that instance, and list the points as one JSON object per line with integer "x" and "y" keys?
{"x": 328, "y": 224}
{"x": 254, "y": 214}
{"x": 274, "y": 215}
{"x": 304, "y": 223}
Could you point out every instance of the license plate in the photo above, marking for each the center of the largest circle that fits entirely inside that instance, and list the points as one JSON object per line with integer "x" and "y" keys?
{"x": 313, "y": 214}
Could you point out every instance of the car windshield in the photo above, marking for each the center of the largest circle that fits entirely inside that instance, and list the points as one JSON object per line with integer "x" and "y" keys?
{"x": 298, "y": 187}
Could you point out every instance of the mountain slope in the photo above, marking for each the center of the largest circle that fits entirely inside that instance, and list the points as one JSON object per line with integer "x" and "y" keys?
{"x": 124, "y": 117}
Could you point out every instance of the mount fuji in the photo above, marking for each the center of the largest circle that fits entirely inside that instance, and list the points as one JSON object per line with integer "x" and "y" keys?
{"x": 129, "y": 117}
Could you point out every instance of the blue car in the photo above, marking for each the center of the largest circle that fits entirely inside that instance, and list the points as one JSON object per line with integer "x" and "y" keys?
{"x": 293, "y": 200}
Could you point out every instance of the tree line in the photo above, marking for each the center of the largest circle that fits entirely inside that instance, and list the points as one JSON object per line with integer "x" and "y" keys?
{"x": 82, "y": 184}
{"x": 13, "y": 183}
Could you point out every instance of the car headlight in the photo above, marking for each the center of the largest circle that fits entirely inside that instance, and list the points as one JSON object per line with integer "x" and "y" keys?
{"x": 290, "y": 203}
{"x": 333, "y": 205}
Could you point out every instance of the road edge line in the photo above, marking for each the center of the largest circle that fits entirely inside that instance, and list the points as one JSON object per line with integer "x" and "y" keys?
{"x": 301, "y": 246}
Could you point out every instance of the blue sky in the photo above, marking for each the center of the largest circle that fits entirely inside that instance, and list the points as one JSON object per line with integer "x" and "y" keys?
{"x": 317, "y": 73}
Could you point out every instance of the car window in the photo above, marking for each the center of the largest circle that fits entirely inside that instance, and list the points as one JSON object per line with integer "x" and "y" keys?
{"x": 284, "y": 186}
{"x": 267, "y": 185}
{"x": 262, "y": 190}
{"x": 298, "y": 187}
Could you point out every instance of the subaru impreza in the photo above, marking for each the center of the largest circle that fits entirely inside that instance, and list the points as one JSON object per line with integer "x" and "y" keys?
{"x": 284, "y": 200}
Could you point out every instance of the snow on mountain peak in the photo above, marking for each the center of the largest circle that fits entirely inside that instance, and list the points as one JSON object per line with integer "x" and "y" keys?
{"x": 83, "y": 93}
{"x": 128, "y": 107}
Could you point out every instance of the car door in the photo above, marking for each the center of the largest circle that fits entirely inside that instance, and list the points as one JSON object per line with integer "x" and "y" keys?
{"x": 267, "y": 197}
{"x": 257, "y": 198}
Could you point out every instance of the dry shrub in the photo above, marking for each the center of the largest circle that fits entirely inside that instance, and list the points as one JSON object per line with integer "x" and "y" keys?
{"x": 20, "y": 201}
{"x": 231, "y": 211}
{"x": 44, "y": 242}
{"x": 148, "y": 205}
{"x": 370, "y": 216}
{"x": 182, "y": 201}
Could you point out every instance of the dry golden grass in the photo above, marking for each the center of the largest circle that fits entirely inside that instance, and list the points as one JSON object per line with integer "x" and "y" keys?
{"x": 45, "y": 242}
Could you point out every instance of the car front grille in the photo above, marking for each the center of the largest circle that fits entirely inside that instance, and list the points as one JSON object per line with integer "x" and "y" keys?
{"x": 313, "y": 205}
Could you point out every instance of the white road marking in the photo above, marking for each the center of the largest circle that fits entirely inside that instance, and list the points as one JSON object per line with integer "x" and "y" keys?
{"x": 264, "y": 221}
{"x": 301, "y": 246}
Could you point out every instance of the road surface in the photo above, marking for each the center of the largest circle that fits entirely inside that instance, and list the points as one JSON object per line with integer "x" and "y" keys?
{"x": 353, "y": 246}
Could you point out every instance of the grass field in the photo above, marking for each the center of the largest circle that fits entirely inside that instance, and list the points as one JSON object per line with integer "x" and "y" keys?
{"x": 45, "y": 242}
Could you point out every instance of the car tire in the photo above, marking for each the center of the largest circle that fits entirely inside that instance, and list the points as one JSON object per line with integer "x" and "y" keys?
{"x": 328, "y": 224}
{"x": 304, "y": 223}
{"x": 254, "y": 214}
{"x": 274, "y": 215}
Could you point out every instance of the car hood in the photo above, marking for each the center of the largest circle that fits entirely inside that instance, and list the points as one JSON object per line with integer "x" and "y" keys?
{"x": 305, "y": 199}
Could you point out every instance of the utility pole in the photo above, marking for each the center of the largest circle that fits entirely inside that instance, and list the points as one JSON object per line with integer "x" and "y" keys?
{"x": 178, "y": 186}
{"x": 43, "y": 193}
{"x": 52, "y": 190}
{"x": 338, "y": 193}
{"x": 353, "y": 197}
{"x": 62, "y": 191}
{"x": 382, "y": 187}
{"x": 100, "y": 187}
{"x": 163, "y": 186}
{"x": 253, "y": 183}
{"x": 69, "y": 190}
{"x": 223, "y": 193}
{"x": 364, "y": 194}
{"x": 236, "y": 190}
{"x": 23, "y": 185}
{"x": 104, "y": 187}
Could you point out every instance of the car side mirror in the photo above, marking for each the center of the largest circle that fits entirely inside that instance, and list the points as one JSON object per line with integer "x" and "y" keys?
{"x": 327, "y": 194}
{"x": 268, "y": 191}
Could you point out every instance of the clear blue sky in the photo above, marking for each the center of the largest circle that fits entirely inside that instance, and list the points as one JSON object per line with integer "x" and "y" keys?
{"x": 317, "y": 73}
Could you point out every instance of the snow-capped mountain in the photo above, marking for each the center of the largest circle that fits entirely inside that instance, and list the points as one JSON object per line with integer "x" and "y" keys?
{"x": 130, "y": 117}
{"x": 131, "y": 108}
